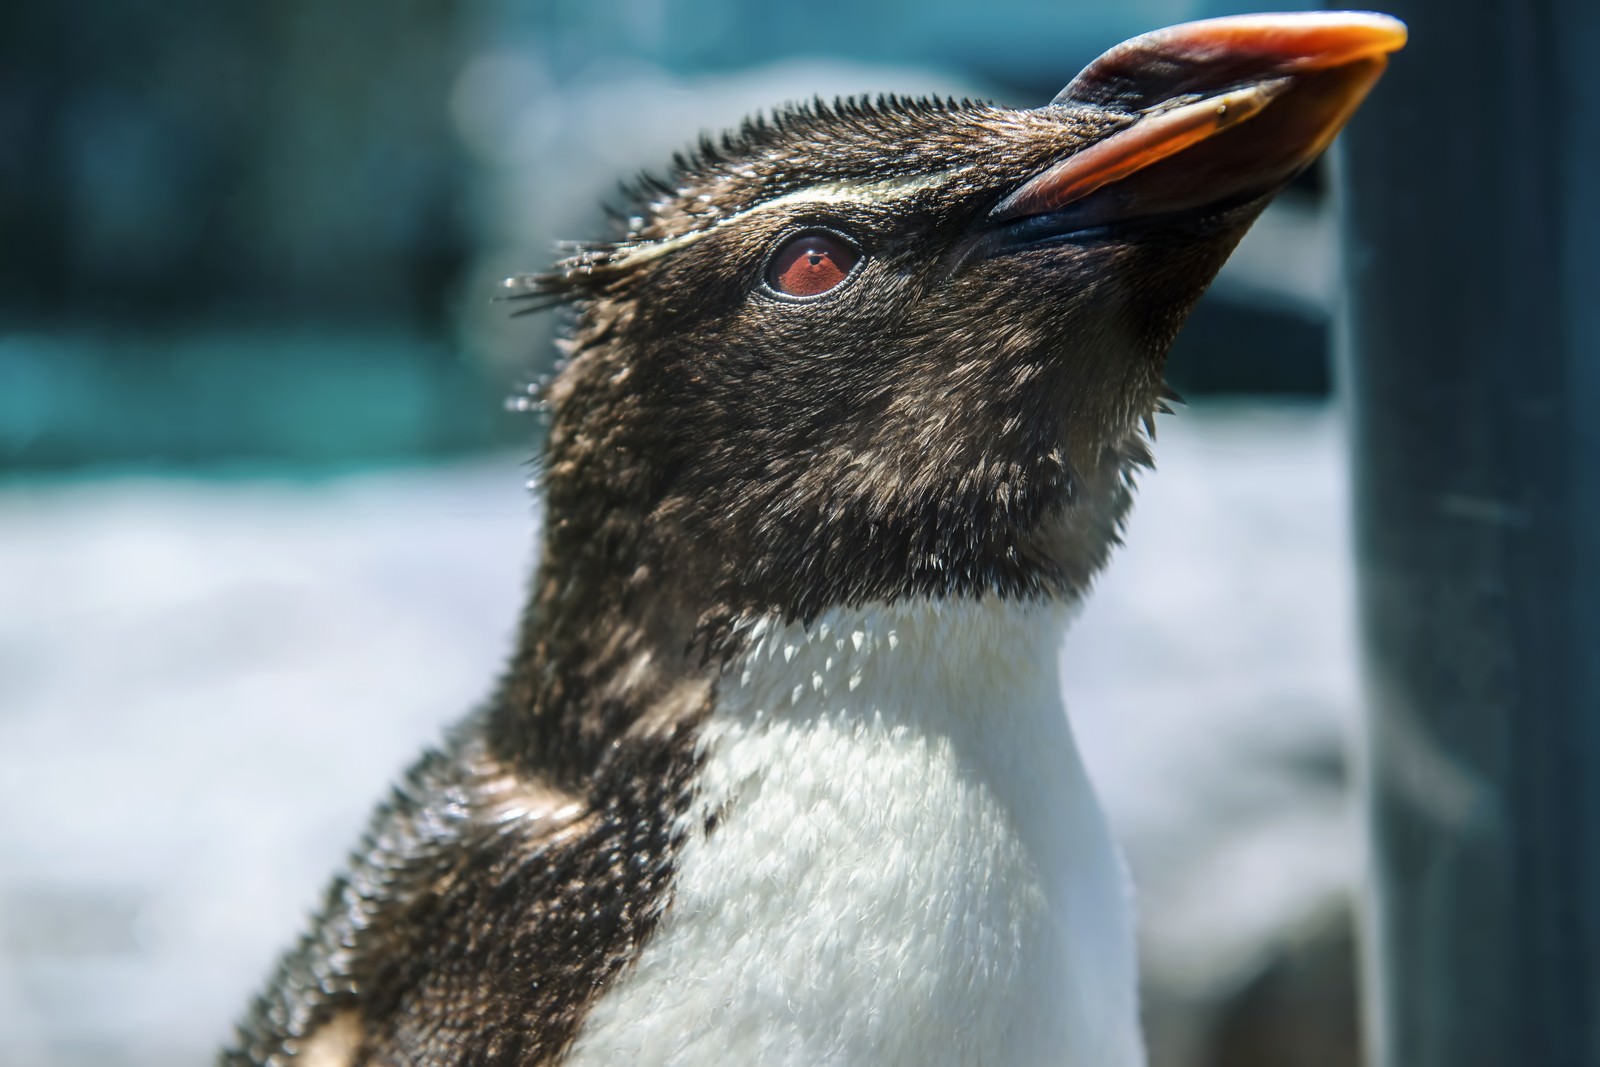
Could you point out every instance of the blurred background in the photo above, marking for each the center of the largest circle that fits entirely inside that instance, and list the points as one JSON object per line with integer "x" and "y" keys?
{"x": 263, "y": 519}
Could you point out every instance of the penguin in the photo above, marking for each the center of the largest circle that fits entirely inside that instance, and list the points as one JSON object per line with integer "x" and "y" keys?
{"x": 850, "y": 419}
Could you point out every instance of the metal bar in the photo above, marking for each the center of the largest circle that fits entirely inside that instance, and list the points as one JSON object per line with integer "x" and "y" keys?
{"x": 1470, "y": 349}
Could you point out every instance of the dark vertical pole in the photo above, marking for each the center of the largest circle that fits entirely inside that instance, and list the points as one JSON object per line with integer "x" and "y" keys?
{"x": 1471, "y": 343}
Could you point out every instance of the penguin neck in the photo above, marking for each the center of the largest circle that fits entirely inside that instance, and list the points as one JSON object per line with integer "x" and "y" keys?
{"x": 604, "y": 657}
{"x": 974, "y": 681}
{"x": 891, "y": 790}
{"x": 975, "y": 656}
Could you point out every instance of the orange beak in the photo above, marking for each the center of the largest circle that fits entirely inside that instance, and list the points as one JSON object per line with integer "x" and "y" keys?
{"x": 1220, "y": 109}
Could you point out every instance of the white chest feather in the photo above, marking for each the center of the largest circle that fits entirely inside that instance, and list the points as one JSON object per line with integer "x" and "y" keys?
{"x": 907, "y": 864}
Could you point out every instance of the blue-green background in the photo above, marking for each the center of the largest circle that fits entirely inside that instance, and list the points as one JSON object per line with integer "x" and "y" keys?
{"x": 268, "y": 232}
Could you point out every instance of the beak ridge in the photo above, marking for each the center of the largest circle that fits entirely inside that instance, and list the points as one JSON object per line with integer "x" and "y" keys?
{"x": 1194, "y": 57}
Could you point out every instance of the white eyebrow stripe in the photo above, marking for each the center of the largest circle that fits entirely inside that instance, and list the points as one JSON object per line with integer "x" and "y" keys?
{"x": 826, "y": 193}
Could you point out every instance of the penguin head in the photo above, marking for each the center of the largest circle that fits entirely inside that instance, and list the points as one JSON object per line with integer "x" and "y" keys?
{"x": 871, "y": 350}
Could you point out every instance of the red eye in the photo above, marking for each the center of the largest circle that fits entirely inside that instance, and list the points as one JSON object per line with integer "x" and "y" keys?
{"x": 810, "y": 264}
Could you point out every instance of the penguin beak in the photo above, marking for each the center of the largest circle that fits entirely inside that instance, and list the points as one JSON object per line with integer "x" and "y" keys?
{"x": 1222, "y": 111}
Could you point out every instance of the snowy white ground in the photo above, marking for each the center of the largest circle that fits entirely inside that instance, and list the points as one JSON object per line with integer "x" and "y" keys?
{"x": 205, "y": 685}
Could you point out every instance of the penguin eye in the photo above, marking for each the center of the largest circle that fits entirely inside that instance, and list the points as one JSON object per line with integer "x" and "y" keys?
{"x": 810, "y": 264}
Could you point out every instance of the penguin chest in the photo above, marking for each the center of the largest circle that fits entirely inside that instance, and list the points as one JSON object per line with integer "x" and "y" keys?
{"x": 894, "y": 857}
